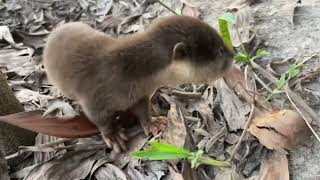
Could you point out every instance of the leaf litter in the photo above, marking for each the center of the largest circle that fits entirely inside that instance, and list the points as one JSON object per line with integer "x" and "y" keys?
{"x": 212, "y": 121}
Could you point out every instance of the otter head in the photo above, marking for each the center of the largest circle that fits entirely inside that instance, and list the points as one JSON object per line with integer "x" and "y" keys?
{"x": 203, "y": 55}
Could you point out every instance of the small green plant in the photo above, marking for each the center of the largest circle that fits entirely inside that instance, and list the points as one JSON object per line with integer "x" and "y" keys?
{"x": 243, "y": 56}
{"x": 284, "y": 79}
{"x": 261, "y": 53}
{"x": 162, "y": 151}
{"x": 224, "y": 29}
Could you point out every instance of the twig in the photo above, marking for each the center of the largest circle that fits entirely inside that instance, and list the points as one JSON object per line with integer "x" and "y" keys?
{"x": 265, "y": 86}
{"x": 248, "y": 121}
{"x": 265, "y": 73}
{"x": 307, "y": 59}
{"x": 24, "y": 149}
{"x": 167, "y": 7}
{"x": 184, "y": 94}
{"x": 243, "y": 133}
{"x": 315, "y": 116}
{"x": 254, "y": 49}
{"x": 241, "y": 43}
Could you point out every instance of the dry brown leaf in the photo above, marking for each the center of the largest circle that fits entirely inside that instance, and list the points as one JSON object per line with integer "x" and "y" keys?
{"x": 227, "y": 174}
{"x": 18, "y": 61}
{"x": 274, "y": 167}
{"x": 21, "y": 173}
{"x": 109, "y": 171}
{"x": 174, "y": 174}
{"x": 233, "y": 108}
{"x": 236, "y": 81}
{"x": 110, "y": 22}
{"x": 41, "y": 157}
{"x": 188, "y": 9}
{"x": 302, "y": 107}
{"x": 73, "y": 165}
{"x": 244, "y": 23}
{"x": 59, "y": 108}
{"x": 176, "y": 132}
{"x": 136, "y": 143}
{"x": 235, "y": 6}
{"x": 278, "y": 130}
{"x": 6, "y": 34}
{"x": 78, "y": 126}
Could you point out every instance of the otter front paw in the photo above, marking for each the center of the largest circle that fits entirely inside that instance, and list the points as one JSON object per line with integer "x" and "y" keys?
{"x": 116, "y": 141}
{"x": 155, "y": 126}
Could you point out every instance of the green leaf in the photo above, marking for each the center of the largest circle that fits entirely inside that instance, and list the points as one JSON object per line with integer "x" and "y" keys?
{"x": 224, "y": 29}
{"x": 156, "y": 154}
{"x": 262, "y": 53}
{"x": 168, "y": 148}
{"x": 194, "y": 160}
{"x": 293, "y": 71}
{"x": 281, "y": 82}
{"x": 240, "y": 57}
{"x": 162, "y": 151}
{"x": 229, "y": 17}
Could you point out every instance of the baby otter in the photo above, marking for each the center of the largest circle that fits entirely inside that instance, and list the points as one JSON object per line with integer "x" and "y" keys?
{"x": 107, "y": 75}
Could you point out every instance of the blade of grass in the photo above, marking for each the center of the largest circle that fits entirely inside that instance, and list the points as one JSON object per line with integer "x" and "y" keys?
{"x": 224, "y": 29}
{"x": 151, "y": 154}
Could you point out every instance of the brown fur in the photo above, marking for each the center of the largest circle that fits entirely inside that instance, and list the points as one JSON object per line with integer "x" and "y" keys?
{"x": 107, "y": 75}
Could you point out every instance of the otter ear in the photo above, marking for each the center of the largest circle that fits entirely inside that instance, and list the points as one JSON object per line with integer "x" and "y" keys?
{"x": 179, "y": 51}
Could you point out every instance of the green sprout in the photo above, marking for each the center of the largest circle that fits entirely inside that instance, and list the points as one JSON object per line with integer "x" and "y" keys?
{"x": 261, "y": 53}
{"x": 224, "y": 20}
{"x": 162, "y": 151}
{"x": 284, "y": 79}
{"x": 243, "y": 56}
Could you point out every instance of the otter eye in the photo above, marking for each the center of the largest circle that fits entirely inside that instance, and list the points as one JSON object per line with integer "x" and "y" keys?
{"x": 221, "y": 51}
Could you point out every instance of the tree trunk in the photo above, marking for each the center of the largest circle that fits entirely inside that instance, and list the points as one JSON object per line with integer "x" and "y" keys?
{"x": 11, "y": 137}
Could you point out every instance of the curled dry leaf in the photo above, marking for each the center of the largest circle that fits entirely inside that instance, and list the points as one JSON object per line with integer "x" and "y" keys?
{"x": 6, "y": 34}
{"x": 109, "y": 171}
{"x": 137, "y": 142}
{"x": 233, "y": 108}
{"x": 236, "y": 81}
{"x": 34, "y": 40}
{"x": 274, "y": 167}
{"x": 73, "y": 165}
{"x": 174, "y": 174}
{"x": 244, "y": 23}
{"x": 62, "y": 109}
{"x": 236, "y": 5}
{"x": 188, "y": 9}
{"x": 279, "y": 130}
{"x": 18, "y": 61}
{"x": 110, "y": 22}
{"x": 176, "y": 132}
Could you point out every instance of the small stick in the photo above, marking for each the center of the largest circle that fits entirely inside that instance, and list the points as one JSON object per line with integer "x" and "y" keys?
{"x": 287, "y": 89}
{"x": 167, "y": 7}
{"x": 249, "y": 118}
{"x": 265, "y": 73}
{"x": 184, "y": 94}
{"x": 261, "y": 82}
